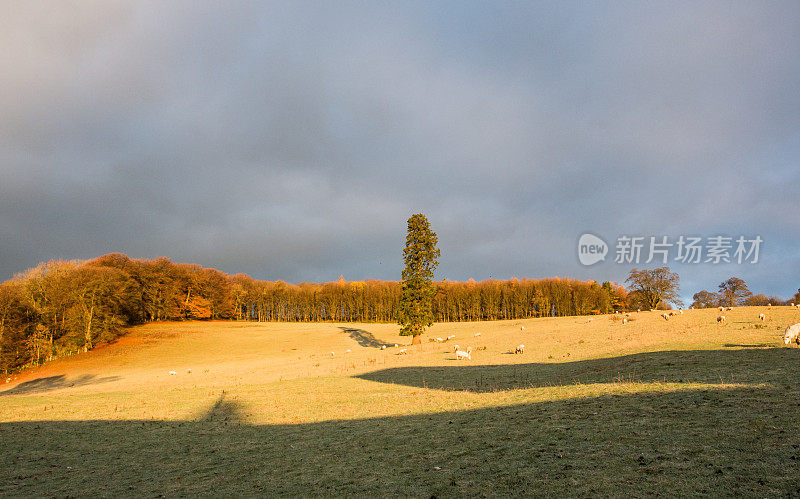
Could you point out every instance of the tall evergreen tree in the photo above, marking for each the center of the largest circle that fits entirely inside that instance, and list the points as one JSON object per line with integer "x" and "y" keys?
{"x": 420, "y": 256}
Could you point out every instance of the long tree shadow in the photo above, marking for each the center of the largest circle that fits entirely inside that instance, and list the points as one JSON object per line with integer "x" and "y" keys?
{"x": 698, "y": 366}
{"x": 41, "y": 385}
{"x": 224, "y": 410}
{"x": 364, "y": 338}
{"x": 709, "y": 439}
{"x": 695, "y": 442}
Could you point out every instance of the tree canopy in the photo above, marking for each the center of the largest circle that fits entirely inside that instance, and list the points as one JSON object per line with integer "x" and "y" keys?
{"x": 655, "y": 286}
{"x": 733, "y": 292}
{"x": 421, "y": 257}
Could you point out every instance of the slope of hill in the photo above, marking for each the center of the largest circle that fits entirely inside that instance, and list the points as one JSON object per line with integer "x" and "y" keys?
{"x": 653, "y": 406}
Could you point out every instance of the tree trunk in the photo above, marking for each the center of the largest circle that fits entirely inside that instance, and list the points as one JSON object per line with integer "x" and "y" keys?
{"x": 88, "y": 344}
{"x": 415, "y": 340}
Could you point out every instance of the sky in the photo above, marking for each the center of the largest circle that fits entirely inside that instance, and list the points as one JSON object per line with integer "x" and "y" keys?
{"x": 292, "y": 140}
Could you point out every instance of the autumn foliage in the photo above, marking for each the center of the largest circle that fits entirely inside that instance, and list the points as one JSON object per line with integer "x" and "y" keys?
{"x": 63, "y": 307}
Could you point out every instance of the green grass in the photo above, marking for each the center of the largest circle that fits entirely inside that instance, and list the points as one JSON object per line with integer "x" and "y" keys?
{"x": 667, "y": 409}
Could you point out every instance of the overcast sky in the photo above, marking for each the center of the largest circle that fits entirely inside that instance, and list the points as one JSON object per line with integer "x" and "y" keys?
{"x": 293, "y": 140}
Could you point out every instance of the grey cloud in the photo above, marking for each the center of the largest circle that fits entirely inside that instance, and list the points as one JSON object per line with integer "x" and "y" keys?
{"x": 292, "y": 141}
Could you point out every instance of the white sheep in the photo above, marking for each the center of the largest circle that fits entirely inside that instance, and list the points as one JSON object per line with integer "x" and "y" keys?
{"x": 383, "y": 347}
{"x": 680, "y": 311}
{"x": 456, "y": 348}
{"x": 721, "y": 309}
{"x": 348, "y": 351}
{"x": 402, "y": 351}
{"x": 729, "y": 308}
{"x": 590, "y": 320}
{"x": 333, "y": 354}
{"x": 460, "y": 354}
{"x": 627, "y": 314}
{"x": 638, "y": 309}
{"x": 522, "y": 328}
{"x": 762, "y": 316}
{"x": 438, "y": 340}
{"x": 477, "y": 334}
{"x": 451, "y": 337}
{"x": 624, "y": 320}
{"x": 792, "y": 334}
{"x": 520, "y": 349}
{"x": 172, "y": 373}
{"x": 721, "y": 318}
{"x": 665, "y": 316}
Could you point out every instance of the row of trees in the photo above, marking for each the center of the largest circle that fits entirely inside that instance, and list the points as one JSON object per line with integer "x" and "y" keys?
{"x": 64, "y": 307}
{"x": 734, "y": 292}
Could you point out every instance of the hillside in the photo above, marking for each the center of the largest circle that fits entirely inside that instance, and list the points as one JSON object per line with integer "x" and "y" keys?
{"x": 652, "y": 406}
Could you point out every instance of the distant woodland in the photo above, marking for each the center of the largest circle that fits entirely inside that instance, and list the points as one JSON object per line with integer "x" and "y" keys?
{"x": 65, "y": 307}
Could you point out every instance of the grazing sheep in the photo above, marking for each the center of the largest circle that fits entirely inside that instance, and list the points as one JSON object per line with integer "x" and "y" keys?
{"x": 729, "y": 308}
{"x": 438, "y": 340}
{"x": 333, "y": 354}
{"x": 402, "y": 351}
{"x": 383, "y": 347}
{"x": 460, "y": 354}
{"x": 762, "y": 316}
{"x": 627, "y": 314}
{"x": 652, "y": 310}
{"x": 721, "y": 309}
{"x": 477, "y": 334}
{"x": 665, "y": 316}
{"x": 721, "y": 318}
{"x": 172, "y": 373}
{"x": 590, "y": 320}
{"x": 396, "y": 345}
{"x": 348, "y": 351}
{"x": 680, "y": 311}
{"x": 451, "y": 337}
{"x": 522, "y": 328}
{"x": 456, "y": 348}
{"x": 792, "y": 334}
{"x": 624, "y": 320}
{"x": 520, "y": 349}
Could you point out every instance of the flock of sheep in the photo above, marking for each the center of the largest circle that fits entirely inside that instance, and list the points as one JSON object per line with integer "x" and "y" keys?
{"x": 792, "y": 333}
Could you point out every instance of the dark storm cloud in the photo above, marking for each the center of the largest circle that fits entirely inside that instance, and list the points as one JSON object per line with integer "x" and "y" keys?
{"x": 292, "y": 140}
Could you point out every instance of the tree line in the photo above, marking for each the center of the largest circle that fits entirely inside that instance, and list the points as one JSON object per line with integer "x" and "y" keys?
{"x": 60, "y": 308}
{"x": 734, "y": 292}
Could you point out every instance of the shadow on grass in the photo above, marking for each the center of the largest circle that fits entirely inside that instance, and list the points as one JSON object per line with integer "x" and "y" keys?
{"x": 698, "y": 366}
{"x": 41, "y": 385}
{"x": 364, "y": 338}
{"x": 709, "y": 440}
{"x": 224, "y": 410}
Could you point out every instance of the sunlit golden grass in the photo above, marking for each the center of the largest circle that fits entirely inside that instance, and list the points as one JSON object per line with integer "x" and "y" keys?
{"x": 649, "y": 407}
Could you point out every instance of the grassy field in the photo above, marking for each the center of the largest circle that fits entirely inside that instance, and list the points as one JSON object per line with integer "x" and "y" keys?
{"x": 652, "y": 407}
